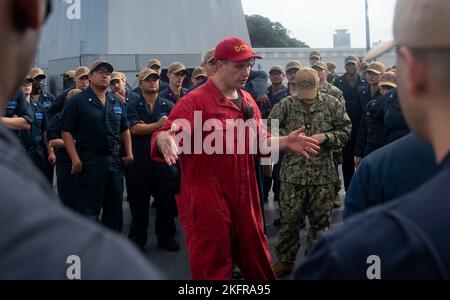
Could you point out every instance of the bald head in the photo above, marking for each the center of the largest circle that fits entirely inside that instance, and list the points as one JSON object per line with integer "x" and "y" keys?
{"x": 20, "y": 22}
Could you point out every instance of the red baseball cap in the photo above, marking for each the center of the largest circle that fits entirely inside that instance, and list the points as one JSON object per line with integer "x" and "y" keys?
{"x": 234, "y": 49}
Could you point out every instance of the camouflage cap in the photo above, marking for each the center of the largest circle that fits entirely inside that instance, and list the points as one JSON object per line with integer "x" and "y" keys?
{"x": 81, "y": 71}
{"x": 36, "y": 72}
{"x": 153, "y": 62}
{"x": 315, "y": 54}
{"x": 28, "y": 78}
{"x": 331, "y": 65}
{"x": 147, "y": 72}
{"x": 101, "y": 63}
{"x": 209, "y": 56}
{"x": 177, "y": 67}
{"x": 352, "y": 59}
{"x": 321, "y": 65}
{"x": 276, "y": 68}
{"x": 199, "y": 72}
{"x": 73, "y": 93}
{"x": 391, "y": 69}
{"x": 70, "y": 74}
{"x": 307, "y": 83}
{"x": 376, "y": 67}
{"x": 388, "y": 78}
{"x": 294, "y": 64}
{"x": 364, "y": 65}
{"x": 118, "y": 76}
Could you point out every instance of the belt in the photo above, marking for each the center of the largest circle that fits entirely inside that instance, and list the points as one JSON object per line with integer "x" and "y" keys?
{"x": 94, "y": 150}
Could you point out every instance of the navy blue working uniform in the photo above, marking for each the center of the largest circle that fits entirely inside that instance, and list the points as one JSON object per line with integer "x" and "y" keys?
{"x": 58, "y": 104}
{"x": 408, "y": 236}
{"x": 129, "y": 95}
{"x": 169, "y": 95}
{"x": 395, "y": 126}
{"x": 257, "y": 87}
{"x": 162, "y": 87}
{"x": 148, "y": 178}
{"x": 365, "y": 96}
{"x": 18, "y": 107}
{"x": 271, "y": 94}
{"x": 389, "y": 173}
{"x": 366, "y": 112}
{"x": 47, "y": 100}
{"x": 33, "y": 140}
{"x": 280, "y": 95}
{"x": 96, "y": 130}
{"x": 370, "y": 132}
{"x": 197, "y": 85}
{"x": 277, "y": 167}
{"x": 353, "y": 108}
{"x": 66, "y": 182}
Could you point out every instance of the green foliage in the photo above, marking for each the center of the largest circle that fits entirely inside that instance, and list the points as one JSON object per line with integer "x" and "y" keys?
{"x": 267, "y": 34}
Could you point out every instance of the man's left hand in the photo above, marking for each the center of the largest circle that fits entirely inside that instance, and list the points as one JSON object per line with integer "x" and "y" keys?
{"x": 321, "y": 138}
{"x": 300, "y": 143}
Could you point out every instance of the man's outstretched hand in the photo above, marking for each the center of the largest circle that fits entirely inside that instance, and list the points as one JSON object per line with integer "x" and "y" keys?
{"x": 167, "y": 146}
{"x": 298, "y": 142}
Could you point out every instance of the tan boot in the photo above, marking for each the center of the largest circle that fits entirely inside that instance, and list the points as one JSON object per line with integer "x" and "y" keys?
{"x": 282, "y": 268}
{"x": 337, "y": 202}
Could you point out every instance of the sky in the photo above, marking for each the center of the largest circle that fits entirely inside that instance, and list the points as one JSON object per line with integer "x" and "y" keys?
{"x": 315, "y": 21}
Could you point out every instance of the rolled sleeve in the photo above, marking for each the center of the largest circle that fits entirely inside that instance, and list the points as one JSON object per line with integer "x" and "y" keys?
{"x": 132, "y": 114}
{"x": 70, "y": 117}
{"x": 23, "y": 111}
{"x": 124, "y": 124}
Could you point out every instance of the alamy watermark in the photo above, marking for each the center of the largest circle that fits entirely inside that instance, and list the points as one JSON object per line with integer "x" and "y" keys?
{"x": 74, "y": 267}
{"x": 73, "y": 11}
{"x": 227, "y": 137}
{"x": 374, "y": 270}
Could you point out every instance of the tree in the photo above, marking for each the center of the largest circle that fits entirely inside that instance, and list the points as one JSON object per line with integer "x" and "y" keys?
{"x": 267, "y": 34}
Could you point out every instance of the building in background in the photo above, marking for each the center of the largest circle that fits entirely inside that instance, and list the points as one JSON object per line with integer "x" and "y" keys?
{"x": 281, "y": 56}
{"x": 342, "y": 39}
{"x": 129, "y": 33}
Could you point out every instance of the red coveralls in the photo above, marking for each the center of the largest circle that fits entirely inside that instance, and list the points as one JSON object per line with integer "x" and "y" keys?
{"x": 219, "y": 204}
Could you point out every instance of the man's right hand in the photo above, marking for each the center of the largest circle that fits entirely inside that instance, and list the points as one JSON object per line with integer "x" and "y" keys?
{"x": 167, "y": 146}
{"x": 77, "y": 167}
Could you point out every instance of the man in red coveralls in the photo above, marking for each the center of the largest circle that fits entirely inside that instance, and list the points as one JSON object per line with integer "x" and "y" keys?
{"x": 219, "y": 202}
